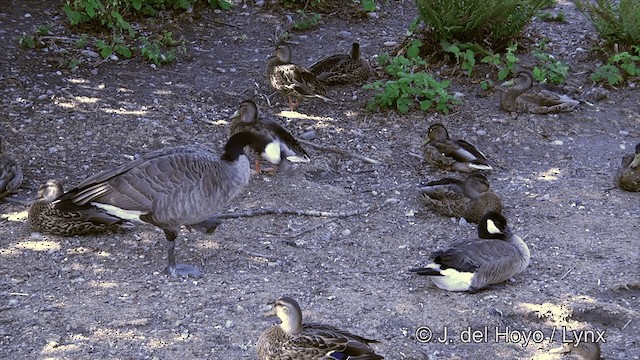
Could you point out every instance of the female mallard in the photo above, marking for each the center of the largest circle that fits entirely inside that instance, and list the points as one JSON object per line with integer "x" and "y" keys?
{"x": 470, "y": 199}
{"x": 293, "y": 340}
{"x": 170, "y": 188}
{"x": 517, "y": 97}
{"x": 473, "y": 264}
{"x": 342, "y": 68}
{"x": 282, "y": 147}
{"x": 48, "y": 215}
{"x": 452, "y": 154}
{"x": 10, "y": 175}
{"x": 629, "y": 174}
{"x": 291, "y": 79}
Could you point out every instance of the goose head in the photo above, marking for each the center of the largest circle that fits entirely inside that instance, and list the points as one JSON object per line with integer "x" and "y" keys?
{"x": 437, "y": 132}
{"x": 493, "y": 226}
{"x": 290, "y": 315}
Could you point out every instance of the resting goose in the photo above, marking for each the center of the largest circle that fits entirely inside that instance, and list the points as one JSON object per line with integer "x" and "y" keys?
{"x": 49, "y": 215}
{"x": 170, "y": 188}
{"x": 282, "y": 147}
{"x": 292, "y": 80}
{"x": 293, "y": 340}
{"x": 10, "y": 175}
{"x": 494, "y": 256}
{"x": 470, "y": 199}
{"x": 629, "y": 173}
{"x": 518, "y": 97}
{"x": 342, "y": 68}
{"x": 452, "y": 154}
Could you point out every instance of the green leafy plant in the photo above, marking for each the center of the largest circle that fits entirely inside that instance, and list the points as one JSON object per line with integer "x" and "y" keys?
{"x": 549, "y": 16}
{"x": 608, "y": 73}
{"x": 466, "y": 58}
{"x": 307, "y": 20}
{"x": 27, "y": 41}
{"x": 616, "y": 21}
{"x": 369, "y": 5}
{"x": 611, "y": 73}
{"x": 549, "y": 69}
{"x": 505, "y": 63}
{"x": 156, "y": 51}
{"x": 408, "y": 85}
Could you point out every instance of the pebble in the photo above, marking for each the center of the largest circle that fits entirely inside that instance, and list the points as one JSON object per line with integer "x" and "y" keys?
{"x": 481, "y": 133}
{"x": 228, "y": 324}
{"x": 557, "y": 142}
{"x": 344, "y": 34}
{"x": 90, "y": 53}
{"x": 373, "y": 15}
{"x": 346, "y": 232}
{"x": 545, "y": 197}
{"x": 260, "y": 3}
{"x": 309, "y": 135}
{"x": 390, "y": 43}
{"x": 43, "y": 97}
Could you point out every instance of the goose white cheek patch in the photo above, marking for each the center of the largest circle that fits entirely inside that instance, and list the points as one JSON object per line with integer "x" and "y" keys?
{"x": 492, "y": 228}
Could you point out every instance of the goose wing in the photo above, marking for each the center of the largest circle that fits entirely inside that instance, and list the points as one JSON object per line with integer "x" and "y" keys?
{"x": 470, "y": 254}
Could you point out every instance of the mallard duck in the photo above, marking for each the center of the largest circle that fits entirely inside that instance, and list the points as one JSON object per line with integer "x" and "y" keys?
{"x": 282, "y": 145}
{"x": 578, "y": 350}
{"x": 629, "y": 174}
{"x": 342, "y": 68}
{"x": 293, "y": 340}
{"x": 10, "y": 175}
{"x": 48, "y": 215}
{"x": 452, "y": 154}
{"x": 470, "y": 199}
{"x": 518, "y": 98}
{"x": 292, "y": 80}
{"x": 171, "y": 187}
{"x": 473, "y": 264}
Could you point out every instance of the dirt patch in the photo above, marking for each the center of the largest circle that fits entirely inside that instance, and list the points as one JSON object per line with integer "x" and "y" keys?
{"x": 104, "y": 296}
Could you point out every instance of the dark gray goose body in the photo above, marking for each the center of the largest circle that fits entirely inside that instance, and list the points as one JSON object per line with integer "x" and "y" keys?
{"x": 170, "y": 188}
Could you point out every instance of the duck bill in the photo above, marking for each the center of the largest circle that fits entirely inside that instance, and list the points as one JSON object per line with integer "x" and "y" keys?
{"x": 636, "y": 161}
{"x": 235, "y": 115}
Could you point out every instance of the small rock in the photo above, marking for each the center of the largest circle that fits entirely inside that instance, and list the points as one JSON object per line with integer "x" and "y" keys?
{"x": 373, "y": 15}
{"x": 53, "y": 149}
{"x": 344, "y": 34}
{"x": 260, "y": 3}
{"x": 545, "y": 197}
{"x": 481, "y": 132}
{"x": 390, "y": 43}
{"x": 557, "y": 142}
{"x": 346, "y": 232}
{"x": 90, "y": 53}
{"x": 228, "y": 324}
{"x": 309, "y": 135}
{"x": 221, "y": 70}
{"x": 43, "y": 97}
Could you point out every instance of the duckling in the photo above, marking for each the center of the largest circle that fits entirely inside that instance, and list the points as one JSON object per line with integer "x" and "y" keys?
{"x": 282, "y": 147}
{"x": 629, "y": 173}
{"x": 342, "y": 68}
{"x": 170, "y": 188}
{"x": 294, "y": 340}
{"x": 470, "y": 199}
{"x": 10, "y": 175}
{"x": 516, "y": 98}
{"x": 473, "y": 264}
{"x": 452, "y": 154}
{"x": 291, "y": 79}
{"x": 48, "y": 215}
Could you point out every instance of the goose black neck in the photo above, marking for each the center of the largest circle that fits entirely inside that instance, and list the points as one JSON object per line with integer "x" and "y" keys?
{"x": 236, "y": 143}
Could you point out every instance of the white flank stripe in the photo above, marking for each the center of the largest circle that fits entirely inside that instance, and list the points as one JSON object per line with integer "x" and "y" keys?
{"x": 453, "y": 280}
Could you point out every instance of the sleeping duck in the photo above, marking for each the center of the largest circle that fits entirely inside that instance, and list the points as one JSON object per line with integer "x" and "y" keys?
{"x": 469, "y": 199}
{"x": 452, "y": 154}
{"x": 473, "y": 264}
{"x": 292, "y": 80}
{"x": 518, "y": 98}
{"x": 293, "y": 339}
{"x": 629, "y": 173}
{"x": 342, "y": 68}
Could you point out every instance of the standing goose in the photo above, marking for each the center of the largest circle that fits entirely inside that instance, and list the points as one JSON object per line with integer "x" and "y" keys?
{"x": 517, "y": 97}
{"x": 470, "y": 199}
{"x": 66, "y": 218}
{"x": 292, "y": 80}
{"x": 342, "y": 68}
{"x": 629, "y": 174}
{"x": 452, "y": 154}
{"x": 171, "y": 187}
{"x": 282, "y": 147}
{"x": 494, "y": 256}
{"x": 10, "y": 174}
{"x": 293, "y": 340}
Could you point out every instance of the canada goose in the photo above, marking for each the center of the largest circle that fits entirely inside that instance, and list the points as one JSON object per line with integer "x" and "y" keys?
{"x": 171, "y": 187}
{"x": 342, "y": 68}
{"x": 282, "y": 145}
{"x": 470, "y": 199}
{"x": 629, "y": 173}
{"x": 292, "y": 339}
{"x": 517, "y": 97}
{"x": 452, "y": 154}
{"x": 66, "y": 218}
{"x": 473, "y": 264}
{"x": 292, "y": 80}
{"x": 10, "y": 174}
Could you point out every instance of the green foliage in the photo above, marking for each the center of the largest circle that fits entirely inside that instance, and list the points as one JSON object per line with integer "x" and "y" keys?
{"x": 549, "y": 69}
{"x": 611, "y": 73}
{"x": 408, "y": 85}
{"x": 507, "y": 65}
{"x": 549, "y": 16}
{"x": 27, "y": 41}
{"x": 607, "y": 73}
{"x": 156, "y": 51}
{"x": 492, "y": 22}
{"x": 465, "y": 54}
{"x": 307, "y": 20}
{"x": 369, "y": 5}
{"x": 616, "y": 21}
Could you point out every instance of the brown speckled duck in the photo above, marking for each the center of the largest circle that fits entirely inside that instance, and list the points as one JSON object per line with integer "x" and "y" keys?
{"x": 282, "y": 148}
{"x": 518, "y": 98}
{"x": 342, "y": 68}
{"x": 452, "y": 154}
{"x": 470, "y": 199}
{"x": 48, "y": 215}
{"x": 293, "y": 340}
{"x": 476, "y": 263}
{"x": 10, "y": 174}
{"x": 629, "y": 173}
{"x": 292, "y": 80}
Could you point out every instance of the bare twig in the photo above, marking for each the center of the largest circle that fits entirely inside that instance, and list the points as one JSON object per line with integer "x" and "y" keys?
{"x": 625, "y": 325}
{"x": 566, "y": 274}
{"x": 340, "y": 151}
